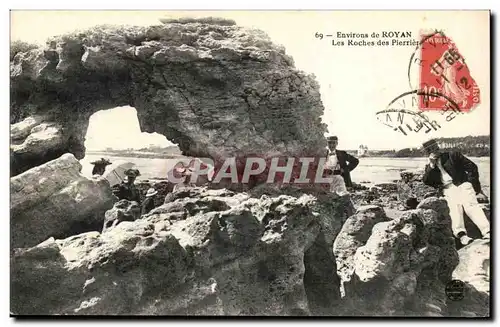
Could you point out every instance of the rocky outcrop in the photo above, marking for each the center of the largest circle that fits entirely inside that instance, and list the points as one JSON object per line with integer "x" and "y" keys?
{"x": 387, "y": 187}
{"x": 474, "y": 267}
{"x": 217, "y": 252}
{"x": 320, "y": 277}
{"x": 400, "y": 266}
{"x": 354, "y": 234}
{"x": 34, "y": 140}
{"x": 232, "y": 255}
{"x": 378, "y": 195}
{"x": 123, "y": 210}
{"x": 411, "y": 190}
{"x": 474, "y": 271}
{"x": 216, "y": 89}
{"x": 54, "y": 199}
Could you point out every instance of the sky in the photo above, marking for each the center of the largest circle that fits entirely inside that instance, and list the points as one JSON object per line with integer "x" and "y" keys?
{"x": 355, "y": 82}
{"x": 128, "y": 135}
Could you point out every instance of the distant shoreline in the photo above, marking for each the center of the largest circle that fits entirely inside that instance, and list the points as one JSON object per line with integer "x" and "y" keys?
{"x": 470, "y": 146}
{"x": 153, "y": 155}
{"x": 134, "y": 154}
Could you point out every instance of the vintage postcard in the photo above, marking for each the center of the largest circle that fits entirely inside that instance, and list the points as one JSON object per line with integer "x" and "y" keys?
{"x": 250, "y": 163}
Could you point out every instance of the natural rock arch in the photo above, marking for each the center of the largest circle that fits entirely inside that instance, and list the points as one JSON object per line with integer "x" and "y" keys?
{"x": 215, "y": 89}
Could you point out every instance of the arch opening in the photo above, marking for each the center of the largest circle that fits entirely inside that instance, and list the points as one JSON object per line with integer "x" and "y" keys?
{"x": 115, "y": 134}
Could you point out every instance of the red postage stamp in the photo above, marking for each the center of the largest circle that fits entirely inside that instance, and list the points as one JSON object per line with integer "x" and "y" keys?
{"x": 445, "y": 80}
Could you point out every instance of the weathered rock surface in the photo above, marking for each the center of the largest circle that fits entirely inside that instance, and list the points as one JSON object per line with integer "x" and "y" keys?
{"x": 122, "y": 210}
{"x": 474, "y": 270}
{"x": 411, "y": 190}
{"x": 474, "y": 267}
{"x": 378, "y": 195}
{"x": 54, "y": 199}
{"x": 216, "y": 89}
{"x": 387, "y": 187}
{"x": 217, "y": 252}
{"x": 401, "y": 267}
{"x": 354, "y": 234}
{"x": 34, "y": 140}
{"x": 246, "y": 257}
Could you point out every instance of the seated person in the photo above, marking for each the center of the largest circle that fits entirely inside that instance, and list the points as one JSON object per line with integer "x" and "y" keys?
{"x": 149, "y": 201}
{"x": 127, "y": 189}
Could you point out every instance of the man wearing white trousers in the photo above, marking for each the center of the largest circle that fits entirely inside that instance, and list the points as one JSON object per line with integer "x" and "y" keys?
{"x": 458, "y": 178}
{"x": 338, "y": 167}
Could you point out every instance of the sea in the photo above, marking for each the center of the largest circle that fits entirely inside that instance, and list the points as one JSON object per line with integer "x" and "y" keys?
{"x": 370, "y": 171}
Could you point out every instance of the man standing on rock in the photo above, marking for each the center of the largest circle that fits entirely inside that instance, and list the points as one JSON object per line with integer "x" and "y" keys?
{"x": 339, "y": 163}
{"x": 458, "y": 178}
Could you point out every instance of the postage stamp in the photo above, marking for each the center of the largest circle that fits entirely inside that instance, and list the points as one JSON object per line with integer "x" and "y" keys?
{"x": 443, "y": 70}
{"x": 439, "y": 81}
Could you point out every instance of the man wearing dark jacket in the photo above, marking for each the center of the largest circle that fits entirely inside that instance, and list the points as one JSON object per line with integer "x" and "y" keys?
{"x": 458, "y": 178}
{"x": 100, "y": 166}
{"x": 345, "y": 163}
{"x": 127, "y": 189}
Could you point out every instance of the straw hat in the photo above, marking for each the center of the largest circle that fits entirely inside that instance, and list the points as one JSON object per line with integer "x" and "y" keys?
{"x": 332, "y": 138}
{"x": 430, "y": 146}
{"x": 151, "y": 192}
{"x": 101, "y": 161}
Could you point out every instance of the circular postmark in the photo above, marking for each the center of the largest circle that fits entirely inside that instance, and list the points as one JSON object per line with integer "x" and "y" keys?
{"x": 426, "y": 97}
{"x": 455, "y": 290}
{"x": 403, "y": 113}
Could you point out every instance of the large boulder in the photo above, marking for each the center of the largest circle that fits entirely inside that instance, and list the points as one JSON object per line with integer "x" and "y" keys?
{"x": 215, "y": 89}
{"x": 354, "y": 234}
{"x": 54, "y": 199}
{"x": 474, "y": 267}
{"x": 247, "y": 257}
{"x": 34, "y": 140}
{"x": 320, "y": 277}
{"x": 399, "y": 266}
{"x": 474, "y": 271}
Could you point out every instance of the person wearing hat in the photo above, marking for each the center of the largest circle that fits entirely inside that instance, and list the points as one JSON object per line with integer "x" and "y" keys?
{"x": 127, "y": 189}
{"x": 149, "y": 201}
{"x": 339, "y": 165}
{"x": 457, "y": 177}
{"x": 100, "y": 166}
